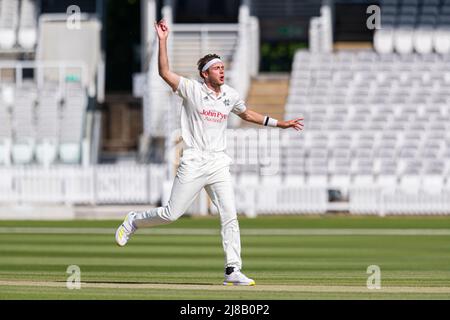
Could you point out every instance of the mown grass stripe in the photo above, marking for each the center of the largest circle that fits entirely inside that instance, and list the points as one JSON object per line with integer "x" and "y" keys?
{"x": 247, "y": 232}
{"x": 265, "y": 287}
{"x": 296, "y": 256}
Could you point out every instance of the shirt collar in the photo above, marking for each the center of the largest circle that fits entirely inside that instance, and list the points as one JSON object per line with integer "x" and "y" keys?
{"x": 211, "y": 92}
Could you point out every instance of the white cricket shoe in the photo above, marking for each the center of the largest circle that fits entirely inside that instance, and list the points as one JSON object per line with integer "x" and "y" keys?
{"x": 125, "y": 230}
{"x": 237, "y": 278}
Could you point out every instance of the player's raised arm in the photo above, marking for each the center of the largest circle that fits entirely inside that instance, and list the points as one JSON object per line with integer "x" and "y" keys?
{"x": 171, "y": 78}
{"x": 255, "y": 117}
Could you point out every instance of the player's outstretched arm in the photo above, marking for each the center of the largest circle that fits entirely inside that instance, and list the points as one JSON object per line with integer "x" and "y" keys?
{"x": 255, "y": 117}
{"x": 171, "y": 78}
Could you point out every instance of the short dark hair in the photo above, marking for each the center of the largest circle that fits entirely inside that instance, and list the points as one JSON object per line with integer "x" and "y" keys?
{"x": 203, "y": 61}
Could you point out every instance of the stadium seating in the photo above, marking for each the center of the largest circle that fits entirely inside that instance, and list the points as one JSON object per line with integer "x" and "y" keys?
{"x": 43, "y": 102}
{"x": 376, "y": 129}
{"x": 47, "y": 126}
{"x": 27, "y": 35}
{"x": 23, "y": 118}
{"x": 72, "y": 120}
{"x": 321, "y": 30}
{"x": 18, "y": 24}
{"x": 407, "y": 26}
{"x": 9, "y": 20}
{"x": 386, "y": 117}
{"x": 40, "y": 124}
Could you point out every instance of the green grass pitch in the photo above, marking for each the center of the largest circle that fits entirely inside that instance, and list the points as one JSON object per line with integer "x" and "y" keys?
{"x": 290, "y": 257}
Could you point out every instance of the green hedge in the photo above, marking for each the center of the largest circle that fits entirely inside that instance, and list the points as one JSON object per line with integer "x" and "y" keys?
{"x": 277, "y": 57}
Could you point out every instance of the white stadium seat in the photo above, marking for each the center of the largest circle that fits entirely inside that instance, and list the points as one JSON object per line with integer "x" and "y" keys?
{"x": 384, "y": 40}
{"x": 46, "y": 153}
{"x": 423, "y": 40}
{"x": 441, "y": 40}
{"x": 7, "y": 94}
{"x": 403, "y": 40}
{"x": 22, "y": 153}
{"x": 27, "y": 35}
{"x": 9, "y": 19}
{"x": 70, "y": 152}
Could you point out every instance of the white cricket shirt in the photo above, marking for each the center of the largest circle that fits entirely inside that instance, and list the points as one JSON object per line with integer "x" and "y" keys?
{"x": 204, "y": 119}
{"x": 204, "y": 115}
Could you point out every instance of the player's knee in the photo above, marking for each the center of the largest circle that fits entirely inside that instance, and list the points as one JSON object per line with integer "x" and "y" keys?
{"x": 171, "y": 219}
{"x": 169, "y": 214}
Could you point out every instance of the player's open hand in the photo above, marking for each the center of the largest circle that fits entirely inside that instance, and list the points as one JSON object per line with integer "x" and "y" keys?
{"x": 297, "y": 124}
{"x": 162, "y": 29}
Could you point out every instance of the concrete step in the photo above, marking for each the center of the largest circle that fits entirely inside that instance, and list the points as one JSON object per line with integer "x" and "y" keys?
{"x": 268, "y": 95}
{"x": 269, "y": 91}
{"x": 267, "y": 99}
{"x": 266, "y": 89}
{"x": 266, "y": 108}
{"x": 270, "y": 83}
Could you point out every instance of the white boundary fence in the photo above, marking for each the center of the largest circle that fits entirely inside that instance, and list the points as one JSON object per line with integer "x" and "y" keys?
{"x": 141, "y": 184}
{"x": 101, "y": 184}
{"x": 396, "y": 201}
{"x": 147, "y": 184}
{"x": 260, "y": 200}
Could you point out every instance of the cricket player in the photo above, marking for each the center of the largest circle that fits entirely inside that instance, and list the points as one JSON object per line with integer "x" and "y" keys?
{"x": 204, "y": 163}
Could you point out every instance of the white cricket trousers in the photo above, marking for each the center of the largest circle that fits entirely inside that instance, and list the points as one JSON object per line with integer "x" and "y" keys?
{"x": 195, "y": 173}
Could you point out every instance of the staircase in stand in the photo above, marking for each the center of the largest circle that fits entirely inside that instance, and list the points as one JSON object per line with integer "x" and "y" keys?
{"x": 267, "y": 95}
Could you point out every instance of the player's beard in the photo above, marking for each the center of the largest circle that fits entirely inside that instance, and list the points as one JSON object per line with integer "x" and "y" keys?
{"x": 217, "y": 83}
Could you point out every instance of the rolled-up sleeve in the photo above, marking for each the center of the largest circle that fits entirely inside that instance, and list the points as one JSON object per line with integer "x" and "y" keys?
{"x": 239, "y": 107}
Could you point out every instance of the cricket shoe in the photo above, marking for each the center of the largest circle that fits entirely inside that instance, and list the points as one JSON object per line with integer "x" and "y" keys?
{"x": 237, "y": 278}
{"x": 125, "y": 230}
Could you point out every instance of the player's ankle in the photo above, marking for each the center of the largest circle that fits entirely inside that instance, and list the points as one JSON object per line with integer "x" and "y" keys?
{"x": 229, "y": 270}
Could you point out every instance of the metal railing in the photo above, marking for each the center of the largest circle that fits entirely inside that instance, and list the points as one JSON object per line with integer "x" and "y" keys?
{"x": 59, "y": 71}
